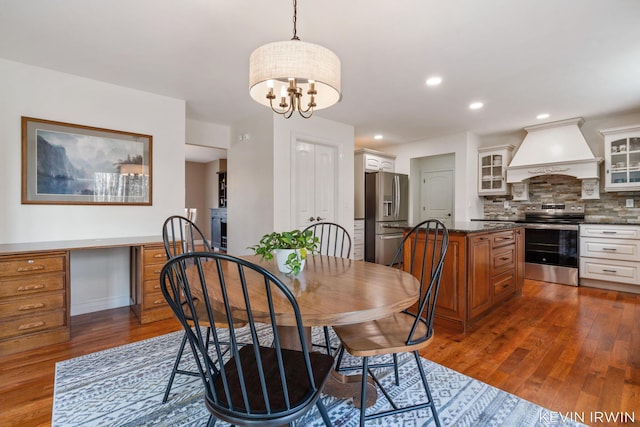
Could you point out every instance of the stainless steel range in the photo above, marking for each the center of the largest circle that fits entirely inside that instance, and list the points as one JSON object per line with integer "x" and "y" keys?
{"x": 551, "y": 242}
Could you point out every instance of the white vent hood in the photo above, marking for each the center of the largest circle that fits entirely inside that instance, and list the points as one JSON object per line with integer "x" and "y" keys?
{"x": 557, "y": 148}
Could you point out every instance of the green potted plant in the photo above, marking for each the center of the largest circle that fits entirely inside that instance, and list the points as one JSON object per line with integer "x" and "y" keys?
{"x": 290, "y": 248}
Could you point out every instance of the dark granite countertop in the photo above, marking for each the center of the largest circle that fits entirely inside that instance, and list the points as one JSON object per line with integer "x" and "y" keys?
{"x": 611, "y": 221}
{"x": 472, "y": 226}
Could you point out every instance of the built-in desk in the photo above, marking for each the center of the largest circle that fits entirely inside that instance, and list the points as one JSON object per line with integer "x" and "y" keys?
{"x": 35, "y": 288}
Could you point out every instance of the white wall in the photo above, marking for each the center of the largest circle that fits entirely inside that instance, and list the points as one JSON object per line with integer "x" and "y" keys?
{"x": 46, "y": 94}
{"x": 320, "y": 131}
{"x": 465, "y": 147}
{"x": 250, "y": 182}
{"x": 207, "y": 134}
{"x": 260, "y": 171}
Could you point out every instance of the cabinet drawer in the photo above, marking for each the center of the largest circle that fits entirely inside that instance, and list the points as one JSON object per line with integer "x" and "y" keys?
{"x": 612, "y": 271}
{"x": 503, "y": 259}
{"x": 154, "y": 255}
{"x": 31, "y": 285}
{"x": 23, "y": 325}
{"x": 31, "y": 265}
{"x": 626, "y": 250}
{"x": 504, "y": 284}
{"x": 31, "y": 304}
{"x": 501, "y": 238}
{"x": 154, "y": 300}
{"x": 610, "y": 231}
{"x": 151, "y": 287}
{"x": 152, "y": 272}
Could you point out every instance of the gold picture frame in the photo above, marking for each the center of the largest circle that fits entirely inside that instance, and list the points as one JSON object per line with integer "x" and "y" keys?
{"x": 70, "y": 164}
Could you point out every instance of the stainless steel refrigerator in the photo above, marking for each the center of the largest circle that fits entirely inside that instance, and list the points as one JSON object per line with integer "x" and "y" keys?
{"x": 386, "y": 213}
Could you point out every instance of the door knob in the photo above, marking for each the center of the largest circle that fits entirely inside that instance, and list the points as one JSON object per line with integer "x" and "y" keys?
{"x": 312, "y": 219}
{"x": 319, "y": 219}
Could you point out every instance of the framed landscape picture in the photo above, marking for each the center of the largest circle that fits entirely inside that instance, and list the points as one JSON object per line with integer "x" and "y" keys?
{"x": 70, "y": 164}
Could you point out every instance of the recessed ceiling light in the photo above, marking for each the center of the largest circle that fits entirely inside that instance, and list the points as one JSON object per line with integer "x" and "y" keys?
{"x": 377, "y": 136}
{"x": 434, "y": 81}
{"x": 476, "y": 105}
{"x": 542, "y": 116}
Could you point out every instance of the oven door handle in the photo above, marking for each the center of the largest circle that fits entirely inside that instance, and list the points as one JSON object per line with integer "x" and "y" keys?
{"x": 568, "y": 227}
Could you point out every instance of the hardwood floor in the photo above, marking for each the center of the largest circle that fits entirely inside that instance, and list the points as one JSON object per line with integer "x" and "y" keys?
{"x": 573, "y": 350}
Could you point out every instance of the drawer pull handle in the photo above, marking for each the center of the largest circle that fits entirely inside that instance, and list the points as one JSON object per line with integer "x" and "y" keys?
{"x": 609, "y": 232}
{"x": 156, "y": 287}
{"x": 30, "y": 306}
{"x": 157, "y": 271}
{"x": 158, "y": 301}
{"x": 158, "y": 256}
{"x": 502, "y": 239}
{"x": 505, "y": 258}
{"x": 506, "y": 285}
{"x": 30, "y": 268}
{"x": 484, "y": 238}
{"x": 30, "y": 325}
{"x": 609, "y": 249}
{"x": 30, "y": 287}
{"x": 609, "y": 271}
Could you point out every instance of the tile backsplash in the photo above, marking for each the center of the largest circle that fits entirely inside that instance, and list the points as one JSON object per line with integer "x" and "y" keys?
{"x": 611, "y": 207}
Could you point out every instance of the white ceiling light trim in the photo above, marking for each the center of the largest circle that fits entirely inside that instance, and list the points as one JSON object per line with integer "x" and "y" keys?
{"x": 434, "y": 81}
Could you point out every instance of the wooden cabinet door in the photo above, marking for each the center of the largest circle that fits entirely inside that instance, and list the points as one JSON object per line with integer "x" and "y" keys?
{"x": 479, "y": 270}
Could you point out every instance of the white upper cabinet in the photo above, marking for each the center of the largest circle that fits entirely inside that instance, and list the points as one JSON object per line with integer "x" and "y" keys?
{"x": 368, "y": 161}
{"x": 492, "y": 170}
{"x": 622, "y": 159}
{"x": 375, "y": 161}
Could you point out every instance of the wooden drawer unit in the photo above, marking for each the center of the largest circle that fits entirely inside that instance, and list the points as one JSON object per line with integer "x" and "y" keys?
{"x": 617, "y": 249}
{"x": 149, "y": 304}
{"x": 34, "y": 300}
{"x": 610, "y": 256}
{"x": 610, "y": 231}
{"x": 25, "y": 266}
{"x": 504, "y": 285}
{"x": 503, "y": 259}
{"x": 608, "y": 270}
{"x": 492, "y": 270}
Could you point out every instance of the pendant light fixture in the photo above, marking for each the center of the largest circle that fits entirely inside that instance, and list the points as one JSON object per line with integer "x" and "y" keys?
{"x": 293, "y": 76}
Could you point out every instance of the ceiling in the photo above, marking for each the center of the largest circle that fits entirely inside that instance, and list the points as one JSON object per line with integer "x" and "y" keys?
{"x": 568, "y": 58}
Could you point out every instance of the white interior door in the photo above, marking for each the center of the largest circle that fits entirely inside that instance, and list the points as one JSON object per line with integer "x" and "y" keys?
{"x": 315, "y": 183}
{"x": 437, "y": 196}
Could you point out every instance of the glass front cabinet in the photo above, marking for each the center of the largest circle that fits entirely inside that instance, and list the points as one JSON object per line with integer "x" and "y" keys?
{"x": 492, "y": 170}
{"x": 622, "y": 159}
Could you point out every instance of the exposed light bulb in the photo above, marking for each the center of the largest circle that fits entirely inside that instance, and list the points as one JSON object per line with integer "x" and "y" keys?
{"x": 476, "y": 105}
{"x": 542, "y": 116}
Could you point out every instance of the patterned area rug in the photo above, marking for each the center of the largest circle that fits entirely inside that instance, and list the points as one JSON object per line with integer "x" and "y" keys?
{"x": 124, "y": 386}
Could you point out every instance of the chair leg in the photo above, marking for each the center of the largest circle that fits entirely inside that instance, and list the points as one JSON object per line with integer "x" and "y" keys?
{"x": 363, "y": 390}
{"x": 323, "y": 413}
{"x": 212, "y": 421}
{"x": 339, "y": 359}
{"x": 395, "y": 369}
{"x": 327, "y": 340}
{"x": 175, "y": 368}
{"x": 426, "y": 388}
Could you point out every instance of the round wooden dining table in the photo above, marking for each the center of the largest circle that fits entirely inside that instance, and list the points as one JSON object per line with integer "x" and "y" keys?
{"x": 332, "y": 291}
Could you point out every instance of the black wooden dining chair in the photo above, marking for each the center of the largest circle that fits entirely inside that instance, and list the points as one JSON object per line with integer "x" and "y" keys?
{"x": 421, "y": 253}
{"x": 180, "y": 235}
{"x": 259, "y": 383}
{"x": 333, "y": 240}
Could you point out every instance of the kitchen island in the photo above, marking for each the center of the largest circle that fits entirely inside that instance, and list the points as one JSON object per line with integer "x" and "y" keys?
{"x": 483, "y": 267}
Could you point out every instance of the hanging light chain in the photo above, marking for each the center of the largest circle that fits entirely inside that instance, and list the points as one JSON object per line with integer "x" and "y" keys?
{"x": 295, "y": 18}
{"x": 293, "y": 92}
